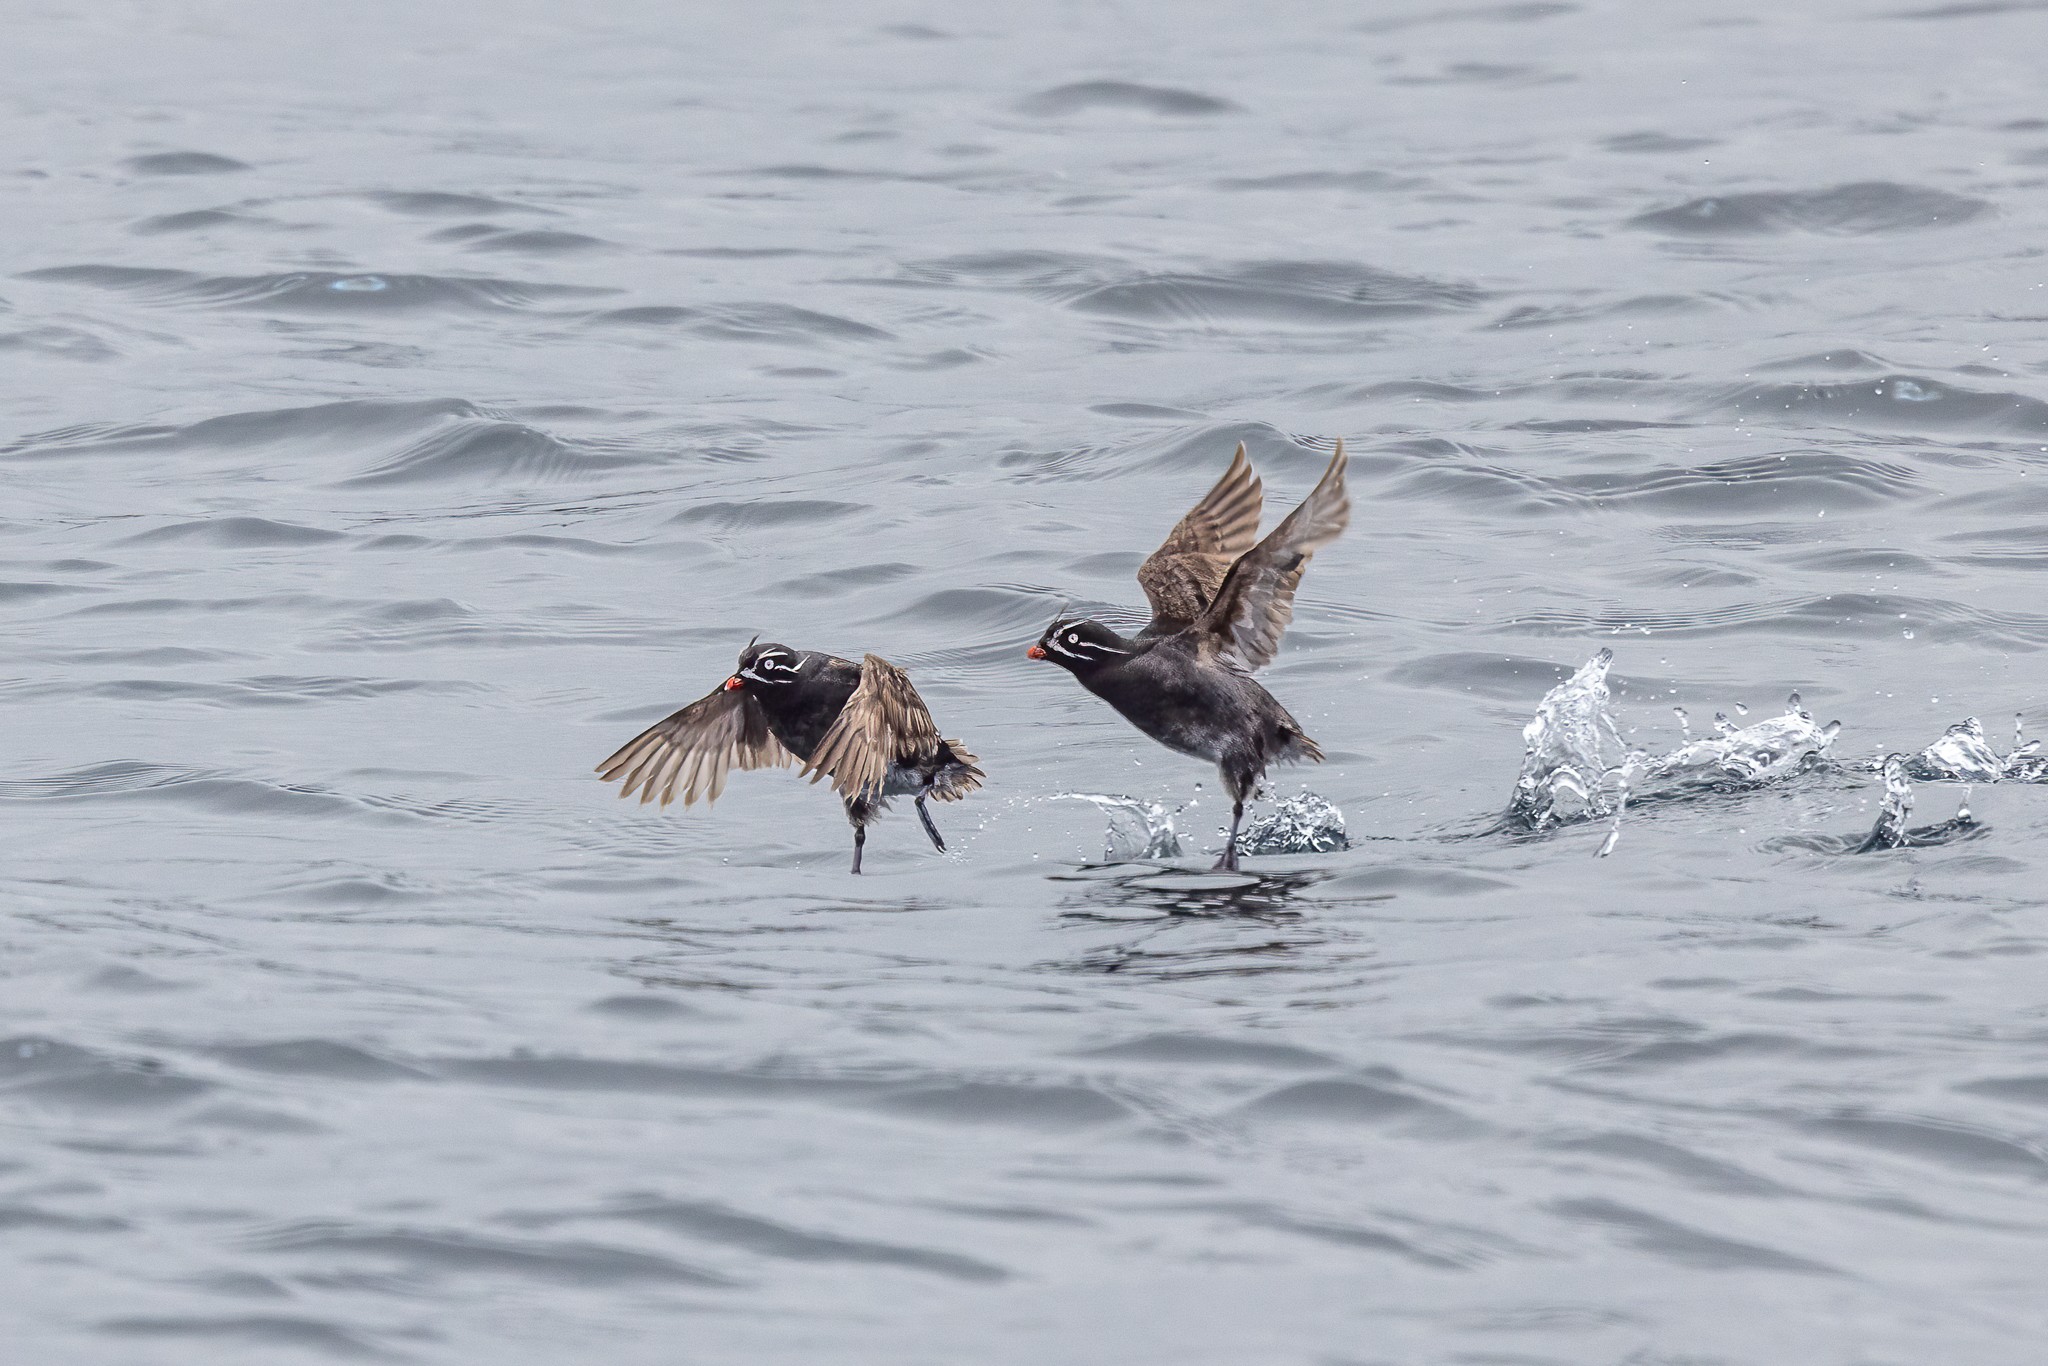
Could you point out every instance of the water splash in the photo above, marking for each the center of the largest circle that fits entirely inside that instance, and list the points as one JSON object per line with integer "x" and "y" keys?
{"x": 1307, "y": 824}
{"x": 1141, "y": 830}
{"x": 1616, "y": 785}
{"x": 1568, "y": 748}
{"x": 2026, "y": 763}
{"x": 1891, "y": 831}
{"x": 1760, "y": 753}
{"x": 1576, "y": 766}
{"x": 1137, "y": 829}
{"x": 1964, "y": 754}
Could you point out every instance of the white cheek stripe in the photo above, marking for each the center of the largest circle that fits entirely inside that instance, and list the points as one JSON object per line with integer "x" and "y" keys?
{"x": 1057, "y": 647}
{"x": 771, "y": 661}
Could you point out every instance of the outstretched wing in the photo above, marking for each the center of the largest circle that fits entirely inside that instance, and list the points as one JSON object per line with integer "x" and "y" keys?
{"x": 1182, "y": 576}
{"x": 695, "y": 748}
{"x": 1256, "y": 601}
{"x": 884, "y": 722}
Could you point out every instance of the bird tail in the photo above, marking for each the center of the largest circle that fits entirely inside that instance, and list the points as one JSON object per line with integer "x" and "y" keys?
{"x": 956, "y": 779}
{"x": 1299, "y": 749}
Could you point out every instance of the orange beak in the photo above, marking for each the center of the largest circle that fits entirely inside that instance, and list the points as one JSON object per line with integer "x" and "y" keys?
{"x": 1035, "y": 652}
{"x": 734, "y": 682}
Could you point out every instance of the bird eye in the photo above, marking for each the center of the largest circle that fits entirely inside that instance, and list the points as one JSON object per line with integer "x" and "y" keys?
{"x": 1073, "y": 637}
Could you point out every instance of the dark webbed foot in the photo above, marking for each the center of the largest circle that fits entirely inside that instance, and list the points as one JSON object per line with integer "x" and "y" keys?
{"x": 926, "y": 816}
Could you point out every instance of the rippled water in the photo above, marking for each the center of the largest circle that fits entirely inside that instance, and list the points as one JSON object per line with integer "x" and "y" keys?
{"x": 405, "y": 404}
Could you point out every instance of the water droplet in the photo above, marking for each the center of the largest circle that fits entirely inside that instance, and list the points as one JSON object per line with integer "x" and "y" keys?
{"x": 359, "y": 284}
{"x": 1907, "y": 633}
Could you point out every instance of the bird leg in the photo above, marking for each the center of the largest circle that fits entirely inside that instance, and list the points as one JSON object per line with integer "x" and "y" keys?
{"x": 860, "y": 837}
{"x": 1228, "y": 863}
{"x": 930, "y": 829}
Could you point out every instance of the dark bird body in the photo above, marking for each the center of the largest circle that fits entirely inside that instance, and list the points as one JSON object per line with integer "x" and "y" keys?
{"x": 1219, "y": 605}
{"x": 1209, "y": 713}
{"x": 862, "y": 725}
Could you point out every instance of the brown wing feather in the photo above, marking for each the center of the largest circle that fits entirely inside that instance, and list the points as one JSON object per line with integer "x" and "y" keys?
{"x": 883, "y": 722}
{"x": 695, "y": 748}
{"x": 1256, "y": 601}
{"x": 1182, "y": 576}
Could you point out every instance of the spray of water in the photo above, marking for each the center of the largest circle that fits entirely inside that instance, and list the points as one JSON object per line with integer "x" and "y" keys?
{"x": 1964, "y": 754}
{"x": 1577, "y": 767}
{"x": 1569, "y": 748}
{"x": 1307, "y": 824}
{"x": 1760, "y": 753}
{"x": 1137, "y": 829}
{"x": 1890, "y": 830}
{"x": 1140, "y": 830}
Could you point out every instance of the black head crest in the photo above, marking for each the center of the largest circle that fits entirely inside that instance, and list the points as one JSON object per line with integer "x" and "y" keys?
{"x": 1063, "y": 618}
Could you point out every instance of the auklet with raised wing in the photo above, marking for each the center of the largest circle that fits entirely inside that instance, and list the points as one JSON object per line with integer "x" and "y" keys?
{"x": 1219, "y": 604}
{"x": 862, "y": 725}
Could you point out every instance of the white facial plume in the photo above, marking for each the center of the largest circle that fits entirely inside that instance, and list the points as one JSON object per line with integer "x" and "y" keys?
{"x": 772, "y": 666}
{"x": 1073, "y": 645}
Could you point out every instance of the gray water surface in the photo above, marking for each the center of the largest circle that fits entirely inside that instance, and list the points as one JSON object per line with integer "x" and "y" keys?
{"x": 405, "y": 403}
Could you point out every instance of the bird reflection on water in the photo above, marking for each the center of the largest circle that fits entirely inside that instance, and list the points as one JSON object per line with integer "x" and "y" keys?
{"x": 1174, "y": 891}
{"x": 1178, "y": 926}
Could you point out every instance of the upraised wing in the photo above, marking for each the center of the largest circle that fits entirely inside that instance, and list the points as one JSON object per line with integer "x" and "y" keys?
{"x": 884, "y": 722}
{"x": 695, "y": 748}
{"x": 1256, "y": 601}
{"x": 1182, "y": 576}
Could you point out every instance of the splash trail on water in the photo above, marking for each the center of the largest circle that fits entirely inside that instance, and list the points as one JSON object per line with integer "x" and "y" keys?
{"x": 1577, "y": 767}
